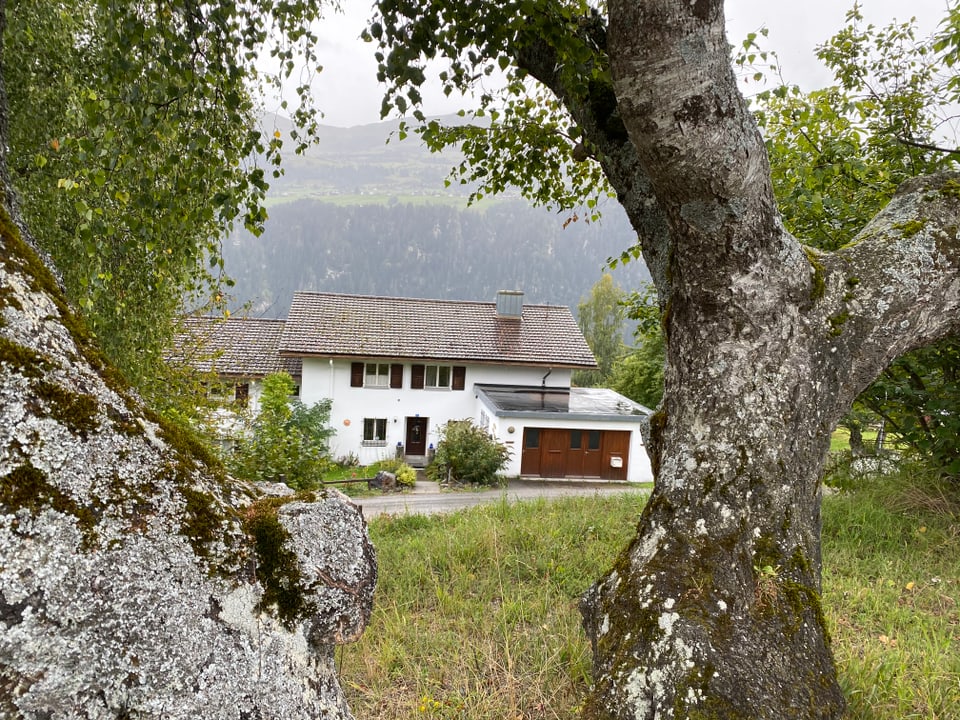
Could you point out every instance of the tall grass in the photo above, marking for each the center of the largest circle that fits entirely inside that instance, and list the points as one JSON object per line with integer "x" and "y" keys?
{"x": 891, "y": 590}
{"x": 476, "y": 612}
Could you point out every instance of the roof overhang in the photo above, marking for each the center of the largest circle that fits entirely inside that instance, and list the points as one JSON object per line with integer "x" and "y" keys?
{"x": 439, "y": 359}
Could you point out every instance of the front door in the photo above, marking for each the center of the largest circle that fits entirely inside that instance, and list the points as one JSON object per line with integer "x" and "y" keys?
{"x": 416, "y": 436}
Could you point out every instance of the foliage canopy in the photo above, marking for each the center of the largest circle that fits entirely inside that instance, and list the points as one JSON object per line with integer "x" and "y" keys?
{"x": 518, "y": 134}
{"x": 601, "y": 318}
{"x": 838, "y": 155}
{"x": 135, "y": 144}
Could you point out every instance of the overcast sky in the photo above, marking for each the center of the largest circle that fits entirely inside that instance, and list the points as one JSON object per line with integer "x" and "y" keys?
{"x": 348, "y": 92}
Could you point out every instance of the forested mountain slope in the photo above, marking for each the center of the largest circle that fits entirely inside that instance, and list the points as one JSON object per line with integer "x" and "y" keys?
{"x": 424, "y": 251}
{"x": 359, "y": 215}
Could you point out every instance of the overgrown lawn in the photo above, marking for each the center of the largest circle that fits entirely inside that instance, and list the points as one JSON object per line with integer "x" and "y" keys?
{"x": 476, "y": 612}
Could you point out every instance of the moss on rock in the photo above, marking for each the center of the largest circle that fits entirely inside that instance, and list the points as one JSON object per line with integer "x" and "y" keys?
{"x": 911, "y": 227}
{"x": 27, "y": 487}
{"x": 818, "y": 284}
{"x": 951, "y": 189}
{"x": 22, "y": 359}
{"x": 76, "y": 411}
{"x": 837, "y": 321}
{"x": 278, "y": 568}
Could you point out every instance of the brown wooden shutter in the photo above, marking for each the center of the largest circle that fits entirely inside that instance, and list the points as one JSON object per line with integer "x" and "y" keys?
{"x": 356, "y": 374}
{"x": 459, "y": 377}
{"x": 416, "y": 377}
{"x": 396, "y": 375}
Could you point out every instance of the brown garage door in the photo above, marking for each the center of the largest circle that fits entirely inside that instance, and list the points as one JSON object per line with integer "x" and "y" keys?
{"x": 551, "y": 452}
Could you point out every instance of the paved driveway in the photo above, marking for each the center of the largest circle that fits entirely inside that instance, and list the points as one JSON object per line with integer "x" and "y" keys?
{"x": 427, "y": 499}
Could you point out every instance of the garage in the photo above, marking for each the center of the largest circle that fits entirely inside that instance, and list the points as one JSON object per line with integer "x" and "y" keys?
{"x": 562, "y": 452}
{"x": 560, "y": 432}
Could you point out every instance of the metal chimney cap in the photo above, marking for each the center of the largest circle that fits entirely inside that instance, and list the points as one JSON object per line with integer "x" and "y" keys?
{"x": 510, "y": 303}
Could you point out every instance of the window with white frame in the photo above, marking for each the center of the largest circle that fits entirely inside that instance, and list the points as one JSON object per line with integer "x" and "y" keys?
{"x": 376, "y": 375}
{"x": 438, "y": 376}
{"x": 374, "y": 431}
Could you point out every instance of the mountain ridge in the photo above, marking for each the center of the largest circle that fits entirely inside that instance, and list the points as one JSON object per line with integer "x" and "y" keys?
{"x": 358, "y": 214}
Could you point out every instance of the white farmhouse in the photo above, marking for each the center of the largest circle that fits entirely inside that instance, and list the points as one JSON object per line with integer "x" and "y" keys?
{"x": 397, "y": 369}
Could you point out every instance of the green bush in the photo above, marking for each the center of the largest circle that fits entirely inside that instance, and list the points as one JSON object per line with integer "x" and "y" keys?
{"x": 287, "y": 441}
{"x": 406, "y": 475}
{"x": 467, "y": 454}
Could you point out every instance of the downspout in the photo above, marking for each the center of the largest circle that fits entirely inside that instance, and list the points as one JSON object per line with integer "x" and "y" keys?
{"x": 543, "y": 381}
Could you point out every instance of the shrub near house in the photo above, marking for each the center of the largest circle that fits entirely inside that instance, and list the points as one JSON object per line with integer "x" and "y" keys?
{"x": 466, "y": 453}
{"x": 288, "y": 441}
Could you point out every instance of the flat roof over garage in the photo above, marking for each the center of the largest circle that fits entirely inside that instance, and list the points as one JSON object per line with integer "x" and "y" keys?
{"x": 552, "y": 402}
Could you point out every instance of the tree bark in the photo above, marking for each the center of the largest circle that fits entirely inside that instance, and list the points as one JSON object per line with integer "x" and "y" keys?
{"x": 714, "y": 608}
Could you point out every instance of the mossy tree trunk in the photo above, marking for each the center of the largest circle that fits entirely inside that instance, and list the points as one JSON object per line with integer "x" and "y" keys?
{"x": 714, "y": 608}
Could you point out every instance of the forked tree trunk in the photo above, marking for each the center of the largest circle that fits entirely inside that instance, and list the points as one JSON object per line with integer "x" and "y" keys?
{"x": 713, "y": 611}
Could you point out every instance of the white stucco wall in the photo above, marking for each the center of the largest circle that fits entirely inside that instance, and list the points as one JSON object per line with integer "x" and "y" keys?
{"x": 326, "y": 378}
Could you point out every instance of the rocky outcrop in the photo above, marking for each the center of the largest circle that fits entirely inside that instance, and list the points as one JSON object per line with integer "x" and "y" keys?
{"x": 136, "y": 578}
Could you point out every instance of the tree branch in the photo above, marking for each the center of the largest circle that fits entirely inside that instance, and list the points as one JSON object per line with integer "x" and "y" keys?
{"x": 597, "y": 113}
{"x": 896, "y": 287}
{"x": 927, "y": 146}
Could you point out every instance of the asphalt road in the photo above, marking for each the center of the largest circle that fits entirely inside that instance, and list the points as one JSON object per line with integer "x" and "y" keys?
{"x": 427, "y": 499}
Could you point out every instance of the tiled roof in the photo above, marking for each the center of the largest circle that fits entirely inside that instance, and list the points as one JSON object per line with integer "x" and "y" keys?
{"x": 236, "y": 347}
{"x": 330, "y": 324}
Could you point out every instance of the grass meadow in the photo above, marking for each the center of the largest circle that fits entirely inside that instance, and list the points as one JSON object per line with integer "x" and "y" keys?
{"x": 476, "y": 612}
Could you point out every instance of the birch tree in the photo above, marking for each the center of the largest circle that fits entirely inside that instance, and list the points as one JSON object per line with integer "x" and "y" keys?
{"x": 713, "y": 610}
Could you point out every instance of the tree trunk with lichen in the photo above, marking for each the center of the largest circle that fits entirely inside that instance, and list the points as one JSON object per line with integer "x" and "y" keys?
{"x": 713, "y": 611}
